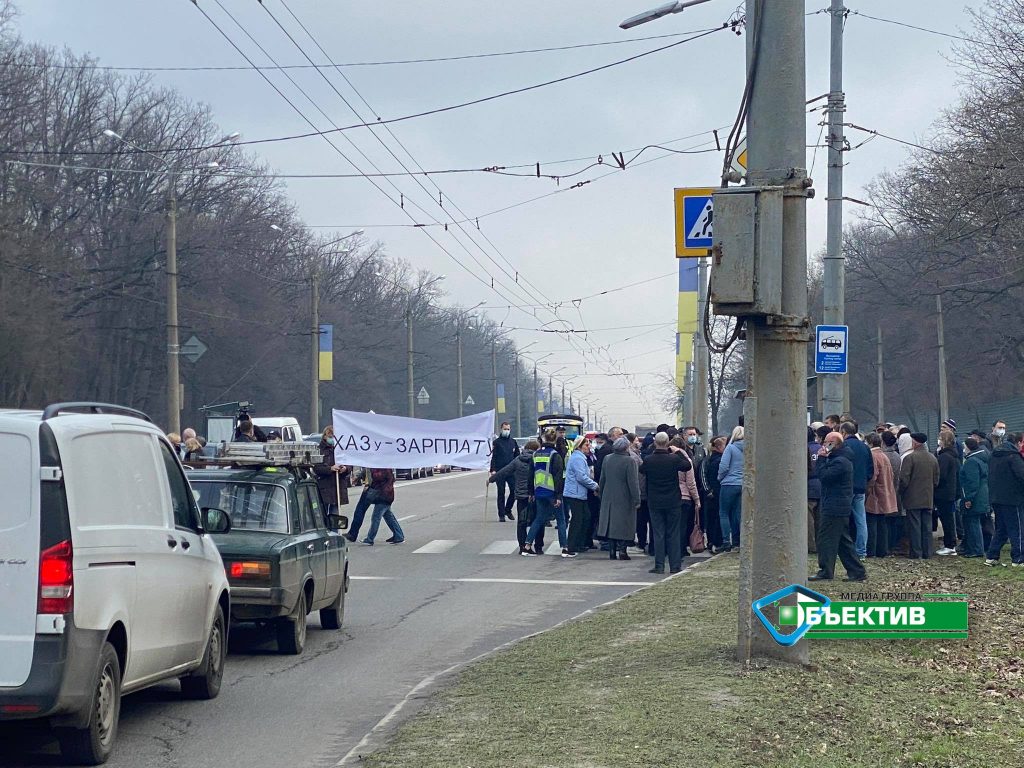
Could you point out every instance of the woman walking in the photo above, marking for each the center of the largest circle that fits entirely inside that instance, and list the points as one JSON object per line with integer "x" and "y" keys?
{"x": 381, "y": 494}
{"x": 730, "y": 475}
{"x": 620, "y": 497}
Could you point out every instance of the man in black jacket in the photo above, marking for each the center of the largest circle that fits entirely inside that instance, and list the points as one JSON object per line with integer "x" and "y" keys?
{"x": 835, "y": 470}
{"x": 1006, "y": 496}
{"x": 664, "y": 500}
{"x": 503, "y": 451}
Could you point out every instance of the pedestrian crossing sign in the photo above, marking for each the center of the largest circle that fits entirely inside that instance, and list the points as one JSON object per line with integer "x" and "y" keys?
{"x": 694, "y": 208}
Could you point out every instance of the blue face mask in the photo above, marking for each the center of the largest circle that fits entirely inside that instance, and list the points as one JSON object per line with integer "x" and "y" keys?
{"x": 331, "y": 441}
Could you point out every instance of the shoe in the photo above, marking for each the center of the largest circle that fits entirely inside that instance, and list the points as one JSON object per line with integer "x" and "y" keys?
{"x": 945, "y": 551}
{"x": 639, "y": 550}
{"x": 501, "y": 519}
{"x": 819, "y": 577}
{"x": 393, "y": 540}
{"x": 613, "y": 555}
{"x": 856, "y": 578}
{"x": 527, "y": 552}
{"x": 624, "y": 556}
{"x": 510, "y": 516}
{"x": 675, "y": 570}
{"x": 862, "y": 558}
{"x": 656, "y": 570}
{"x": 367, "y": 542}
{"x": 351, "y": 537}
{"x": 990, "y": 561}
{"x": 567, "y": 553}
{"x": 1017, "y": 565}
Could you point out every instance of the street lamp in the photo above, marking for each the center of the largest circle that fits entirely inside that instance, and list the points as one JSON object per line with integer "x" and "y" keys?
{"x": 657, "y": 13}
{"x": 173, "y": 347}
{"x": 458, "y": 346}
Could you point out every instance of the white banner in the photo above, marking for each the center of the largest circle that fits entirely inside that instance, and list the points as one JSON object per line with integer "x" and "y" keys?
{"x": 399, "y": 442}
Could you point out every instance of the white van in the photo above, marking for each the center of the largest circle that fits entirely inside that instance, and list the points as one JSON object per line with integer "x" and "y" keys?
{"x": 109, "y": 582}
{"x": 287, "y": 426}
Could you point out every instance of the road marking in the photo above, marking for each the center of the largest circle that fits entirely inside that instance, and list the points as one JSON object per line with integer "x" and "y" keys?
{"x": 435, "y": 479}
{"x": 500, "y": 548}
{"x": 447, "y": 506}
{"x": 480, "y": 496}
{"x": 374, "y": 578}
{"x": 407, "y": 517}
{"x": 553, "y": 548}
{"x": 556, "y": 582}
{"x": 436, "y": 547}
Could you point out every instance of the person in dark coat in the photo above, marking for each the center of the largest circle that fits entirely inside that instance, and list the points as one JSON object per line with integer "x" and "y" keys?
{"x": 948, "y": 490}
{"x": 813, "y": 491}
{"x": 975, "y": 503}
{"x": 835, "y": 470}
{"x": 546, "y": 483}
{"x": 518, "y": 471}
{"x": 503, "y": 450}
{"x": 382, "y": 496}
{"x": 331, "y": 477}
{"x": 620, "y": 497}
{"x": 707, "y": 482}
{"x": 919, "y": 476}
{"x": 1006, "y": 493}
{"x": 661, "y": 470}
{"x": 863, "y": 470}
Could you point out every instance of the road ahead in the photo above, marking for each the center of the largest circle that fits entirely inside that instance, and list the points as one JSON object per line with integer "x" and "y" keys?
{"x": 455, "y": 589}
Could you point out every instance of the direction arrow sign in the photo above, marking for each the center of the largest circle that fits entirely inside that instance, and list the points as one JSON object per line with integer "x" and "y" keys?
{"x": 423, "y": 397}
{"x": 694, "y": 218}
{"x": 470, "y": 401}
{"x": 739, "y": 157}
{"x": 193, "y": 349}
{"x": 830, "y": 353}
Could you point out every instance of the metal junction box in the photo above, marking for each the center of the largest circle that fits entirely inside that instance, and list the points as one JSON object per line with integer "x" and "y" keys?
{"x": 746, "y": 253}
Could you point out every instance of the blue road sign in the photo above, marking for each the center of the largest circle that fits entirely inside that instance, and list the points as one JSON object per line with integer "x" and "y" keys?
{"x": 698, "y": 216}
{"x": 830, "y": 348}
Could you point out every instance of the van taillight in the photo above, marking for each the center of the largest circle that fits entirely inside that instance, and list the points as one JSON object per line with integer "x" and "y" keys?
{"x": 56, "y": 579}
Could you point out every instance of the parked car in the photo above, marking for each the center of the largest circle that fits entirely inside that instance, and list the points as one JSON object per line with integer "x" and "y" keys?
{"x": 442, "y": 469}
{"x": 413, "y": 474}
{"x": 109, "y": 579}
{"x": 284, "y": 558}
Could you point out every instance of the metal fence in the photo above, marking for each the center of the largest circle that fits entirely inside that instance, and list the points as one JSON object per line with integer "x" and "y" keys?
{"x": 979, "y": 416}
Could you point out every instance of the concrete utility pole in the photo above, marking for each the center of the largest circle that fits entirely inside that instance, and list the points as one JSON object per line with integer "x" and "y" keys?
{"x": 562, "y": 403}
{"x": 519, "y": 401}
{"x": 551, "y": 394}
{"x": 494, "y": 379}
{"x": 835, "y": 399}
{"x": 703, "y": 359}
{"x": 688, "y": 402}
{"x": 535, "y": 410}
{"x": 314, "y": 311}
{"x": 409, "y": 364}
{"x": 943, "y": 390}
{"x": 881, "y": 379}
{"x": 173, "y": 347}
{"x": 773, "y": 554}
{"x": 458, "y": 359}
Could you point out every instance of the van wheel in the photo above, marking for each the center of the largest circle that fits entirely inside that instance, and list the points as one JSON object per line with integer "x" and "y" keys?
{"x": 205, "y": 682}
{"x": 291, "y": 631}
{"x": 333, "y": 617}
{"x": 93, "y": 744}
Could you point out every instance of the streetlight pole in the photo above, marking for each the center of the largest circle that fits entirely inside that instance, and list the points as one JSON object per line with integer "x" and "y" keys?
{"x": 943, "y": 386}
{"x": 834, "y": 385}
{"x": 703, "y": 362}
{"x": 881, "y": 378}
{"x": 458, "y": 359}
{"x": 173, "y": 346}
{"x": 410, "y": 385}
{"x": 314, "y": 311}
{"x": 494, "y": 377}
{"x": 536, "y": 395}
{"x": 519, "y": 400}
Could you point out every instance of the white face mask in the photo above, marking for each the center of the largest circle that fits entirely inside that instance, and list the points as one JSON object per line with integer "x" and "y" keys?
{"x": 692, "y": 439}
{"x": 505, "y": 433}
{"x": 1000, "y": 432}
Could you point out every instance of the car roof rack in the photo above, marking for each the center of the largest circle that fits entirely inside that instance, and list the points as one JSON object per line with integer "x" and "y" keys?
{"x": 261, "y": 455}
{"x": 90, "y": 407}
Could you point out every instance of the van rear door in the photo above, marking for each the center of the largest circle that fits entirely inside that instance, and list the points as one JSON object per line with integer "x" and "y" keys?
{"x": 19, "y": 553}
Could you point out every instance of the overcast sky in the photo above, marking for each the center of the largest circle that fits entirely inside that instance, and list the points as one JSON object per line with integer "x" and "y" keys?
{"x": 609, "y": 233}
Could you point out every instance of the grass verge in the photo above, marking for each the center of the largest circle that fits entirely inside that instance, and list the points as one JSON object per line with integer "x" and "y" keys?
{"x": 652, "y": 681}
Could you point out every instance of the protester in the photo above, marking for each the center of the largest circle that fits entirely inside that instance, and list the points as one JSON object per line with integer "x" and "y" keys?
{"x": 331, "y": 477}
{"x": 919, "y": 476}
{"x": 620, "y": 497}
{"x": 546, "y": 483}
{"x": 835, "y": 470}
{"x": 896, "y": 537}
{"x": 863, "y": 468}
{"x": 947, "y": 491}
{"x": 710, "y": 488}
{"x": 175, "y": 440}
{"x": 661, "y": 470}
{"x": 577, "y": 483}
{"x": 692, "y": 436}
{"x": 813, "y": 489}
{"x": 192, "y": 450}
{"x": 998, "y": 433}
{"x": 730, "y": 476}
{"x": 504, "y": 450}
{"x": 975, "y": 503}
{"x": 880, "y": 499}
{"x": 688, "y": 489}
{"x": 1006, "y": 494}
{"x": 382, "y": 496}
{"x": 519, "y": 470}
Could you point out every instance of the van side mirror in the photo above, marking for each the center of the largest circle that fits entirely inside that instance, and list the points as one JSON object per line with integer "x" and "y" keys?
{"x": 337, "y": 522}
{"x": 216, "y": 520}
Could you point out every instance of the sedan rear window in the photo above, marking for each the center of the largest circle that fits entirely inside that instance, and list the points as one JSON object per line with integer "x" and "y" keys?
{"x": 252, "y": 506}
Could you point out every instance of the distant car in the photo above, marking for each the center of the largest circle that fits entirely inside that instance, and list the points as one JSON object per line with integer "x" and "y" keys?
{"x": 286, "y": 426}
{"x": 283, "y": 557}
{"x": 442, "y": 469}
{"x": 831, "y": 342}
{"x": 413, "y": 474}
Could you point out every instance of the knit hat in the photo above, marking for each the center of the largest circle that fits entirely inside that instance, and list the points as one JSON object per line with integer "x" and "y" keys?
{"x": 621, "y": 445}
{"x": 919, "y": 437}
{"x": 950, "y": 423}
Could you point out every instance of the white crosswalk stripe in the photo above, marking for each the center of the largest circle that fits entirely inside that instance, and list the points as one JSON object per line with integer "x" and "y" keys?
{"x": 436, "y": 547}
{"x": 553, "y": 548}
{"x": 501, "y": 548}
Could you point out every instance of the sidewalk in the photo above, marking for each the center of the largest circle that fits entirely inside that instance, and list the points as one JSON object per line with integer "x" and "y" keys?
{"x": 652, "y": 681}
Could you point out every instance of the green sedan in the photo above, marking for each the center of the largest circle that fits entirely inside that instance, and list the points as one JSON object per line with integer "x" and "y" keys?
{"x": 284, "y": 556}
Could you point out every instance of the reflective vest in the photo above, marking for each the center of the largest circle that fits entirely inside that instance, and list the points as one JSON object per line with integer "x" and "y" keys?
{"x": 542, "y": 477}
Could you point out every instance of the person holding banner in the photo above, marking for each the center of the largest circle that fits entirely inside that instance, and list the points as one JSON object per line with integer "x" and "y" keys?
{"x": 546, "y": 483}
{"x": 331, "y": 477}
{"x": 381, "y": 494}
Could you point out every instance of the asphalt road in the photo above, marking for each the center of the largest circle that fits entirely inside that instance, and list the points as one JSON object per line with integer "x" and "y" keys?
{"x": 410, "y": 615}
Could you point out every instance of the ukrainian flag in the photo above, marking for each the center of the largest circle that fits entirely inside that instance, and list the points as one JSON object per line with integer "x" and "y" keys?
{"x": 326, "y": 352}
{"x": 687, "y": 320}
{"x": 501, "y": 398}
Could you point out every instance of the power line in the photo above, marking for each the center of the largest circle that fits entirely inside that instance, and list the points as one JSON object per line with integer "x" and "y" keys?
{"x": 911, "y": 26}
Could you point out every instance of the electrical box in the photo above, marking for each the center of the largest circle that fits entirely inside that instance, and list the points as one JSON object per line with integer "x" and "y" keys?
{"x": 746, "y": 252}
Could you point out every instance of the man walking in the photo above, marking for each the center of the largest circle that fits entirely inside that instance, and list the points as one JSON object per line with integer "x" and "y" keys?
{"x": 664, "y": 502}
{"x": 835, "y": 471}
{"x": 863, "y": 471}
{"x": 919, "y": 476}
{"x": 1006, "y": 493}
{"x": 546, "y": 484}
{"x": 504, "y": 450}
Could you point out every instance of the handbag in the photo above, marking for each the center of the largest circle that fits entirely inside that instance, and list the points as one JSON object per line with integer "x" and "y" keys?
{"x": 697, "y": 535}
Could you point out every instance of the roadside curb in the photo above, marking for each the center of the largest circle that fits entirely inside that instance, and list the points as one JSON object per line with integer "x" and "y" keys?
{"x": 376, "y": 737}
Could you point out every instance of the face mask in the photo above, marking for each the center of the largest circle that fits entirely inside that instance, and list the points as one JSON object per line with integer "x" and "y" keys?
{"x": 505, "y": 433}
{"x": 331, "y": 441}
{"x": 598, "y": 446}
{"x": 828, "y": 448}
{"x": 692, "y": 439}
{"x": 1000, "y": 432}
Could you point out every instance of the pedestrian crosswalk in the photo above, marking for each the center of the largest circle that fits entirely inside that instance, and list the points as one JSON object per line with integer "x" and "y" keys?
{"x": 502, "y": 547}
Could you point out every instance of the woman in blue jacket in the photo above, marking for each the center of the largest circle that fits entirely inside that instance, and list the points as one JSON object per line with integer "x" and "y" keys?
{"x": 730, "y": 475}
{"x": 577, "y": 482}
